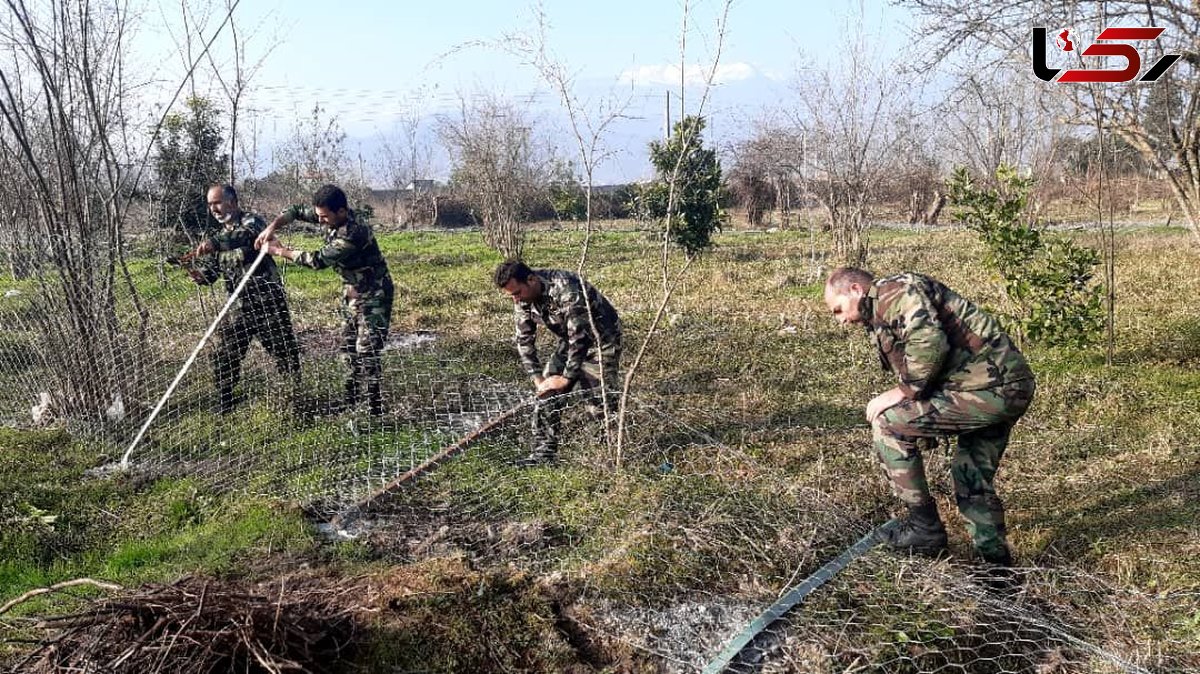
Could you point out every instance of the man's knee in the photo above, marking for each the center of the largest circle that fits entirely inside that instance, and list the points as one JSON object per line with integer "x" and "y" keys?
{"x": 882, "y": 426}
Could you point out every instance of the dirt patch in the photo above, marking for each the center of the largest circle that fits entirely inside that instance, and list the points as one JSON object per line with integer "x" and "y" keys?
{"x": 319, "y": 340}
{"x": 460, "y": 619}
{"x": 683, "y": 636}
{"x": 416, "y": 532}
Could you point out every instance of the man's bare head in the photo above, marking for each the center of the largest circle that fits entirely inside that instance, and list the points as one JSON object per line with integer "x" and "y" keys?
{"x": 223, "y": 203}
{"x": 844, "y": 291}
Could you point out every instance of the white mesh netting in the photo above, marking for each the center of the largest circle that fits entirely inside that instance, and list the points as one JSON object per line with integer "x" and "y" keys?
{"x": 677, "y": 541}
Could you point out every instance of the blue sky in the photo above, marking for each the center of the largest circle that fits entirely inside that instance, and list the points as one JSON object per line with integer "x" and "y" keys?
{"x": 369, "y": 61}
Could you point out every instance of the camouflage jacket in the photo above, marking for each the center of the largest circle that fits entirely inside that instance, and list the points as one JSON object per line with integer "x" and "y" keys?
{"x": 350, "y": 250}
{"x": 932, "y": 338}
{"x": 562, "y": 310}
{"x": 233, "y": 246}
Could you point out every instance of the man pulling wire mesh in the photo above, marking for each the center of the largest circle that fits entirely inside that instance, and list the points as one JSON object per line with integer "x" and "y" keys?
{"x": 261, "y": 311}
{"x": 351, "y": 250}
{"x": 575, "y": 313}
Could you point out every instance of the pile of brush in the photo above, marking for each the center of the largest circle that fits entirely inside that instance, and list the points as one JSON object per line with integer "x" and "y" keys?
{"x": 200, "y": 626}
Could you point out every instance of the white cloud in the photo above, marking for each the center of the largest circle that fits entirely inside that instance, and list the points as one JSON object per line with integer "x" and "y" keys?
{"x": 775, "y": 74}
{"x": 693, "y": 74}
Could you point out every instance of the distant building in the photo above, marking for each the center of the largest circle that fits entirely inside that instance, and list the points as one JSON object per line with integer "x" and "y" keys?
{"x": 421, "y": 186}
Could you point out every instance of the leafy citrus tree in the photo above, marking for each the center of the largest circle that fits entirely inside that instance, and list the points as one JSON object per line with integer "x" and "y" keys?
{"x": 1050, "y": 279}
{"x": 687, "y": 190}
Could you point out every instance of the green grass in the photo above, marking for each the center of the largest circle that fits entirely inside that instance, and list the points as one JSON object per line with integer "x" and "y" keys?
{"x": 1101, "y": 474}
{"x": 59, "y": 524}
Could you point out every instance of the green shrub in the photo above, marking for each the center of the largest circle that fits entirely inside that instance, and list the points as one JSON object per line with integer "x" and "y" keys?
{"x": 697, "y": 211}
{"x": 1049, "y": 278}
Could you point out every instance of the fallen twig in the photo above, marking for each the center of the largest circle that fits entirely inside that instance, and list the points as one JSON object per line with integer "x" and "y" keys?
{"x": 111, "y": 587}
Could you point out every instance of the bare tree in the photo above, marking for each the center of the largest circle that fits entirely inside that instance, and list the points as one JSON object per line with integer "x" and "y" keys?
{"x": 234, "y": 78}
{"x": 751, "y": 189}
{"x": 590, "y": 119}
{"x": 847, "y": 114}
{"x": 313, "y": 155}
{"x": 498, "y": 166}
{"x": 768, "y": 165}
{"x": 999, "y": 117}
{"x": 1165, "y": 131}
{"x": 20, "y": 258}
{"x": 688, "y": 132}
{"x": 404, "y": 159}
{"x": 64, "y": 127}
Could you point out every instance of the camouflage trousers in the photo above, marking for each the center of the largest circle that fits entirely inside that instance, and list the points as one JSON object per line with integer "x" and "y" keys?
{"x": 982, "y": 420}
{"x": 547, "y": 412}
{"x": 262, "y": 314}
{"x": 366, "y": 317}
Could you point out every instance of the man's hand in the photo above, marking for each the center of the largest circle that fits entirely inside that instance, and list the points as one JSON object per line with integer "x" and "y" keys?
{"x": 552, "y": 384}
{"x": 881, "y": 402}
{"x": 265, "y": 236}
{"x": 274, "y": 247}
{"x": 204, "y": 248}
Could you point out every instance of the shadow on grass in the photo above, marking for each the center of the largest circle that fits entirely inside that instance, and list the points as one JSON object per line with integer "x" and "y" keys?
{"x": 808, "y": 420}
{"x": 1180, "y": 344}
{"x": 1129, "y": 515}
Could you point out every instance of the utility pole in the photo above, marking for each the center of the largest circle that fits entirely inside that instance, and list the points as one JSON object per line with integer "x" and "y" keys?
{"x": 667, "y": 118}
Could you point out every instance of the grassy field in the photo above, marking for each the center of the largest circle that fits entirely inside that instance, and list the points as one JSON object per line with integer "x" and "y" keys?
{"x": 748, "y": 467}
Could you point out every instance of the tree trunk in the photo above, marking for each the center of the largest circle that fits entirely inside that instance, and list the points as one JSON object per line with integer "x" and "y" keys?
{"x": 935, "y": 209}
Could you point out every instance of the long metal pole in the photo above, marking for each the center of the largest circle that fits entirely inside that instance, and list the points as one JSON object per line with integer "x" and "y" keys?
{"x": 192, "y": 358}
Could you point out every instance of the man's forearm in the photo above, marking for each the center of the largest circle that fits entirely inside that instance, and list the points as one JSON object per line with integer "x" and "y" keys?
{"x": 284, "y": 218}
{"x": 280, "y": 250}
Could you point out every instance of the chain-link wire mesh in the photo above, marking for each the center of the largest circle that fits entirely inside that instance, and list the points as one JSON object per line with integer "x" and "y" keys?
{"x": 711, "y": 506}
{"x": 889, "y": 613}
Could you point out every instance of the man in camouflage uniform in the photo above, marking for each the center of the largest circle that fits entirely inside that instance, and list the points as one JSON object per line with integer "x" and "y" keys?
{"x": 350, "y": 250}
{"x": 959, "y": 374}
{"x": 260, "y": 311}
{"x": 576, "y": 313}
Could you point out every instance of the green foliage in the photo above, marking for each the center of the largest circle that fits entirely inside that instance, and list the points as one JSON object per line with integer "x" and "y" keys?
{"x": 693, "y": 212}
{"x": 568, "y": 201}
{"x": 364, "y": 213}
{"x": 566, "y": 193}
{"x": 1049, "y": 278}
{"x": 188, "y": 160}
{"x": 55, "y": 524}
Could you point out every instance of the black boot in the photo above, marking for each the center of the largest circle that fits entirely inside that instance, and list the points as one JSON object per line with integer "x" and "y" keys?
{"x": 350, "y": 393}
{"x": 997, "y": 573}
{"x": 921, "y": 532}
{"x": 375, "y": 399}
{"x": 1001, "y": 557}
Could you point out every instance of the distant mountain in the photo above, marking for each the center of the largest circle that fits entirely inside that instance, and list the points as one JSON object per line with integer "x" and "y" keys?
{"x": 730, "y": 110}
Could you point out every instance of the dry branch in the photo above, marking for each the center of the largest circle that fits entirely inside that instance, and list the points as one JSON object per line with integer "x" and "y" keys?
{"x": 56, "y": 587}
{"x": 198, "y": 625}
